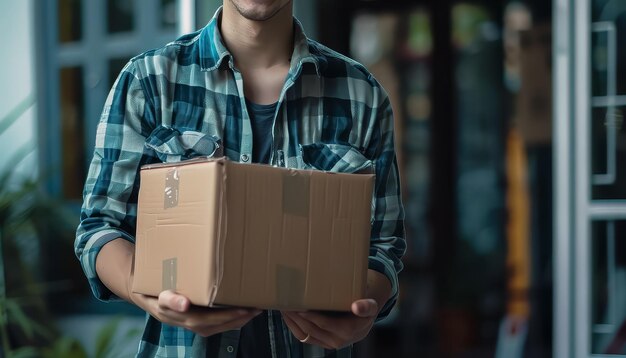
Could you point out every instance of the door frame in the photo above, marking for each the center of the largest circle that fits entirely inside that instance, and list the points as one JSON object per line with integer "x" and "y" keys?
{"x": 574, "y": 208}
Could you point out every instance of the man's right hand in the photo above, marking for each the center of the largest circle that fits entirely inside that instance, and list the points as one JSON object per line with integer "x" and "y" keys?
{"x": 176, "y": 310}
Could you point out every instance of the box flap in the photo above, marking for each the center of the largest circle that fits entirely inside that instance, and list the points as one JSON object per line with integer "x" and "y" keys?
{"x": 178, "y": 228}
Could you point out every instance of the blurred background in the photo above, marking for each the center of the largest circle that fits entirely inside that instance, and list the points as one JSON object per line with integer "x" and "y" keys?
{"x": 509, "y": 128}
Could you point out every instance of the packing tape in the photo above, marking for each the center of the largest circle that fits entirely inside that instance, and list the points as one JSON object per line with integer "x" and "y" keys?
{"x": 169, "y": 274}
{"x": 170, "y": 195}
{"x": 289, "y": 287}
{"x": 296, "y": 193}
{"x": 218, "y": 271}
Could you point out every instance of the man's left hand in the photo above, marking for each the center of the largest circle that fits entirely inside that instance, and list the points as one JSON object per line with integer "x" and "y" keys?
{"x": 333, "y": 331}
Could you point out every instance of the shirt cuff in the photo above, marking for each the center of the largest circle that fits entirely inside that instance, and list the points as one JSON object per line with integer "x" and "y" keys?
{"x": 384, "y": 267}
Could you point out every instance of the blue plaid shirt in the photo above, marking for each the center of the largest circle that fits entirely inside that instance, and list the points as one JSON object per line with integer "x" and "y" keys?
{"x": 185, "y": 100}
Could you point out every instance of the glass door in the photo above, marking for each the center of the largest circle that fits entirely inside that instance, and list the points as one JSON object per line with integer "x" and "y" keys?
{"x": 607, "y": 325}
{"x": 590, "y": 186}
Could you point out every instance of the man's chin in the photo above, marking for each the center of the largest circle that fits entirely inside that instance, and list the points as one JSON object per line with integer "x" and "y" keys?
{"x": 257, "y": 16}
{"x": 259, "y": 13}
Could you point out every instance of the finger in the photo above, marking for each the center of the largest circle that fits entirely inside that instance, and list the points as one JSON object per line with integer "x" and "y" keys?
{"x": 347, "y": 328}
{"x": 293, "y": 327}
{"x": 365, "y": 308}
{"x": 173, "y": 301}
{"x": 227, "y": 326}
{"x": 315, "y": 342}
{"x": 335, "y": 323}
{"x": 206, "y": 316}
{"x": 301, "y": 335}
{"x": 147, "y": 303}
{"x": 331, "y": 339}
{"x": 223, "y": 314}
{"x": 203, "y": 323}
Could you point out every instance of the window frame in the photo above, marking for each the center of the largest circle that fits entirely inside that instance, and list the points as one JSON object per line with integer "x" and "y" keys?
{"x": 92, "y": 53}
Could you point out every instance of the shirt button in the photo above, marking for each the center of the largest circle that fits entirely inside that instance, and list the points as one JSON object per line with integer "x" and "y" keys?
{"x": 245, "y": 157}
{"x": 230, "y": 349}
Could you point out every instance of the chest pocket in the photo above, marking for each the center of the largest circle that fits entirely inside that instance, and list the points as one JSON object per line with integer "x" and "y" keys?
{"x": 338, "y": 158}
{"x": 172, "y": 145}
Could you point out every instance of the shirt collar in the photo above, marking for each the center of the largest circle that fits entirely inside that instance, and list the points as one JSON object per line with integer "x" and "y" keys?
{"x": 213, "y": 51}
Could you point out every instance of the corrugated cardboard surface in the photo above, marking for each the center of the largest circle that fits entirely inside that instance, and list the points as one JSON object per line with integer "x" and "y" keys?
{"x": 253, "y": 235}
{"x": 186, "y": 231}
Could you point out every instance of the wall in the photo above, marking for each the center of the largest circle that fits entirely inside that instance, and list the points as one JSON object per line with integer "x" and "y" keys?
{"x": 16, "y": 72}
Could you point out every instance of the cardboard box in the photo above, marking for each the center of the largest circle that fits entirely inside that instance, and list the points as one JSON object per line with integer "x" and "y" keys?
{"x": 224, "y": 233}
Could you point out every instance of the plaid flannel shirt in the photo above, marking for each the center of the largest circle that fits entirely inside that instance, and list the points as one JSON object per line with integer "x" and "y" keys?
{"x": 185, "y": 100}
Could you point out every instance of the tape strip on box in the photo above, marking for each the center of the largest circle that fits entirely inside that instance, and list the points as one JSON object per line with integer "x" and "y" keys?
{"x": 169, "y": 274}
{"x": 290, "y": 284}
{"x": 296, "y": 193}
{"x": 170, "y": 195}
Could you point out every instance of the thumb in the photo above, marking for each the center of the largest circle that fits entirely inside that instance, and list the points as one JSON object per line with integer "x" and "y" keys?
{"x": 365, "y": 308}
{"x": 173, "y": 301}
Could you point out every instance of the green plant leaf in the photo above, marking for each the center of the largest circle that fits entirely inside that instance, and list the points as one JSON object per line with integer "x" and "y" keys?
{"x": 104, "y": 340}
{"x": 28, "y": 325}
{"x": 3, "y": 309}
{"x": 65, "y": 347}
{"x": 17, "y": 157}
{"x": 16, "y": 113}
{"x": 16, "y": 313}
{"x": 42, "y": 330}
{"x": 133, "y": 333}
{"x": 25, "y": 352}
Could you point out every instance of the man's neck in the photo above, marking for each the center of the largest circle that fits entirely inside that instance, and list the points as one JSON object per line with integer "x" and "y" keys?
{"x": 257, "y": 45}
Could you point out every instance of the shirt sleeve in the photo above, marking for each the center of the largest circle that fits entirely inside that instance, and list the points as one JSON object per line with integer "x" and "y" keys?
{"x": 387, "y": 242}
{"x": 109, "y": 209}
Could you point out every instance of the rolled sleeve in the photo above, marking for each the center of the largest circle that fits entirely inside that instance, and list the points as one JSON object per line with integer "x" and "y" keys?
{"x": 110, "y": 194}
{"x": 387, "y": 242}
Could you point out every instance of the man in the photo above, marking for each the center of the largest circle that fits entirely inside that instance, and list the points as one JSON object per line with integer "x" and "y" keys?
{"x": 252, "y": 87}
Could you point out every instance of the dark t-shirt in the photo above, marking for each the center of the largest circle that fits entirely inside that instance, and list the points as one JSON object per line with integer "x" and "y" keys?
{"x": 261, "y": 118}
{"x": 254, "y": 341}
